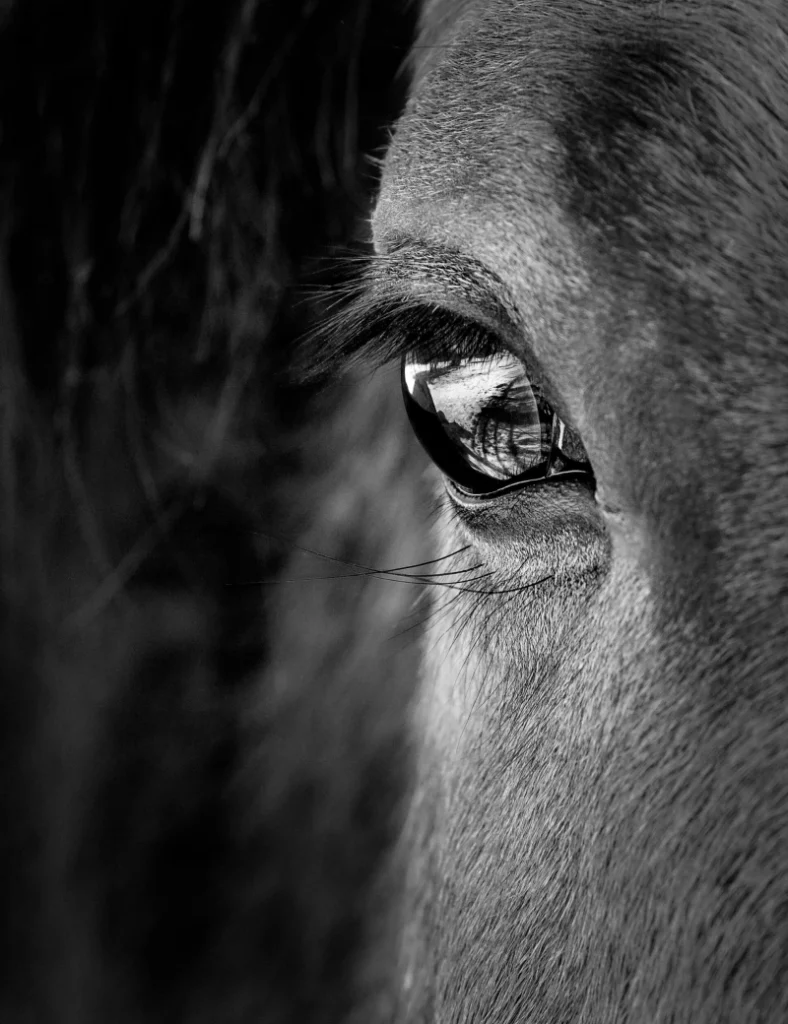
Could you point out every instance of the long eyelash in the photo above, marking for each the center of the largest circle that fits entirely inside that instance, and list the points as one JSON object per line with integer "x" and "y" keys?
{"x": 363, "y": 320}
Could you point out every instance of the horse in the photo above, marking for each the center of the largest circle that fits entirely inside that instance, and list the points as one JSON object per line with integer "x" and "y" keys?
{"x": 451, "y": 692}
{"x": 581, "y": 235}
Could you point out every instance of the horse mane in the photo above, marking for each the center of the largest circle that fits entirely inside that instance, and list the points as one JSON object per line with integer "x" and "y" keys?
{"x": 177, "y": 183}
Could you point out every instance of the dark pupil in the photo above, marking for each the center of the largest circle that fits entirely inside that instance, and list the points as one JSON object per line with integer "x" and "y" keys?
{"x": 486, "y": 425}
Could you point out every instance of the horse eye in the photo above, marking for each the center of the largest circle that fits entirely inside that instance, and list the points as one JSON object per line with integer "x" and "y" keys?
{"x": 486, "y": 425}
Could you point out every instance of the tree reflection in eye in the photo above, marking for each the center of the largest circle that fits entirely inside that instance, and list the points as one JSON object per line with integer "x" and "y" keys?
{"x": 486, "y": 425}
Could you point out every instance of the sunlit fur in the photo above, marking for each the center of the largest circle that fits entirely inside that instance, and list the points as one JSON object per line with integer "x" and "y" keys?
{"x": 600, "y": 827}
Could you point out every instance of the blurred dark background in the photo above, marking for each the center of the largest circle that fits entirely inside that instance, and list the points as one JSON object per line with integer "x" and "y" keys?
{"x": 203, "y": 749}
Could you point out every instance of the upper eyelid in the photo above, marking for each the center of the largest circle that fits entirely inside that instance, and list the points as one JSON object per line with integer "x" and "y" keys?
{"x": 426, "y": 274}
{"x": 439, "y": 333}
{"x": 391, "y": 331}
{"x": 414, "y": 287}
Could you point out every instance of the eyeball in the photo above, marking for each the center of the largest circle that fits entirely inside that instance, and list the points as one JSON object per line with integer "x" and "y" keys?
{"x": 486, "y": 425}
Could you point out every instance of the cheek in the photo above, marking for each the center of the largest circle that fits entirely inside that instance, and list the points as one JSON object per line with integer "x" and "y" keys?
{"x": 454, "y": 658}
{"x": 497, "y": 633}
{"x": 495, "y": 659}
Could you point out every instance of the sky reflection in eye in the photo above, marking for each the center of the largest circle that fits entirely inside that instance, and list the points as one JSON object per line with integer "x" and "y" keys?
{"x": 487, "y": 408}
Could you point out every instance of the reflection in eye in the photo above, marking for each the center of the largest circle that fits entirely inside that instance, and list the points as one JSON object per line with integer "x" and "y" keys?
{"x": 486, "y": 425}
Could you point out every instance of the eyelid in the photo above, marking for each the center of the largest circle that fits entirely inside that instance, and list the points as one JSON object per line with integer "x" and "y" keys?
{"x": 439, "y": 334}
{"x": 415, "y": 280}
{"x": 403, "y": 309}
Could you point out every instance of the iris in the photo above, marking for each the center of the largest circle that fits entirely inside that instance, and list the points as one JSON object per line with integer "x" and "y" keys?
{"x": 486, "y": 425}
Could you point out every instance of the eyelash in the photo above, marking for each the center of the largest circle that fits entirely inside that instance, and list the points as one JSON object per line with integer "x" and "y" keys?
{"x": 439, "y": 335}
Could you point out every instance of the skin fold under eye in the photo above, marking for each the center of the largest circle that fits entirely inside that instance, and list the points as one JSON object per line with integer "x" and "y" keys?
{"x": 486, "y": 424}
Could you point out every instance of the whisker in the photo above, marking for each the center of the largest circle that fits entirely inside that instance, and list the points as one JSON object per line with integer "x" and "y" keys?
{"x": 346, "y": 561}
{"x": 390, "y": 574}
{"x": 433, "y": 561}
{"x": 382, "y": 574}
